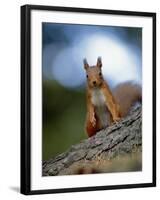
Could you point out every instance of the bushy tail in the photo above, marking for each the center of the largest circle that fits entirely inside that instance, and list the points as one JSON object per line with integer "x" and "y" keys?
{"x": 127, "y": 94}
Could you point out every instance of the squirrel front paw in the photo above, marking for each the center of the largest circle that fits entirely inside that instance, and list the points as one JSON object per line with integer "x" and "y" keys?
{"x": 117, "y": 119}
{"x": 93, "y": 120}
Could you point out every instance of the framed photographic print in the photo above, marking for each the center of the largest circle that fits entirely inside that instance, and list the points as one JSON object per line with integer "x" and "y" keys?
{"x": 88, "y": 99}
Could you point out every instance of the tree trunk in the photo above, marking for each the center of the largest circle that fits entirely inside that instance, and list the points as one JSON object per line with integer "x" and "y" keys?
{"x": 114, "y": 149}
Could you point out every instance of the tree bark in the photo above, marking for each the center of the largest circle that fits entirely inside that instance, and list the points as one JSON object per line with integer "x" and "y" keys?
{"x": 110, "y": 148}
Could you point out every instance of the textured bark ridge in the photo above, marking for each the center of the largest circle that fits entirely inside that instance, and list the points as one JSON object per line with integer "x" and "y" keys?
{"x": 116, "y": 148}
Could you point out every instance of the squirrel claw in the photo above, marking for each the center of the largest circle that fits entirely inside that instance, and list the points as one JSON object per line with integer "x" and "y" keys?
{"x": 116, "y": 120}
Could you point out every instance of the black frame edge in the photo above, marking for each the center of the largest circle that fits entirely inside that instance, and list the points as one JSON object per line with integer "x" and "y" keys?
{"x": 89, "y": 10}
{"x": 25, "y": 101}
{"x": 154, "y": 98}
{"x": 89, "y": 189}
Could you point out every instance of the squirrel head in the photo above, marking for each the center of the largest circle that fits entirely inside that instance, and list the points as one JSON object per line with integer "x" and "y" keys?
{"x": 94, "y": 73}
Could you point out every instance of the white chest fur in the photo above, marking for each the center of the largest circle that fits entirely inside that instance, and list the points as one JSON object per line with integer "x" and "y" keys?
{"x": 98, "y": 100}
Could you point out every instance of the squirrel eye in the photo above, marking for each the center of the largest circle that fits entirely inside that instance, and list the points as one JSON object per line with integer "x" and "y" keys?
{"x": 100, "y": 74}
{"x": 87, "y": 75}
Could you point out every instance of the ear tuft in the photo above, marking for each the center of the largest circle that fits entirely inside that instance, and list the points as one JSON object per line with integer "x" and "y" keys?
{"x": 86, "y": 66}
{"x": 99, "y": 62}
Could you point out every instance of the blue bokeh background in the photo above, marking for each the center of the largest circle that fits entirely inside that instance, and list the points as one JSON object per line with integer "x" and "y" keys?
{"x": 65, "y": 46}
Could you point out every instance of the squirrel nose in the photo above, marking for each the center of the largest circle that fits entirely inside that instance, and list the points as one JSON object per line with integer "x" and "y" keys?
{"x": 94, "y": 82}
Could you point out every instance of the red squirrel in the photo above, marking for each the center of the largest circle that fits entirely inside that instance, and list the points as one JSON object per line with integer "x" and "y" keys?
{"x": 104, "y": 106}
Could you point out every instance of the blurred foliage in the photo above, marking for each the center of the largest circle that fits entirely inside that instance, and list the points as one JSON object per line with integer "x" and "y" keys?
{"x": 134, "y": 36}
{"x": 63, "y": 117}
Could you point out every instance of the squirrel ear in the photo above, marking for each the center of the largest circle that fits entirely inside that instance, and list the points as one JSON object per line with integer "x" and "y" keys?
{"x": 86, "y": 66}
{"x": 99, "y": 62}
